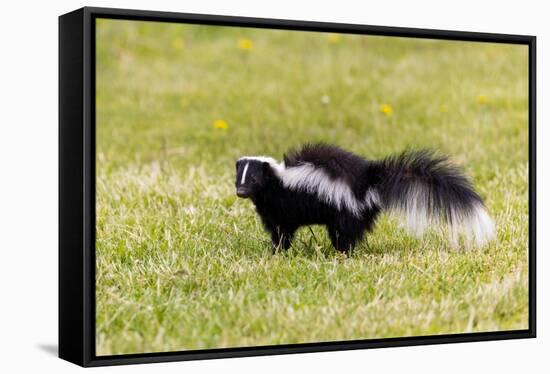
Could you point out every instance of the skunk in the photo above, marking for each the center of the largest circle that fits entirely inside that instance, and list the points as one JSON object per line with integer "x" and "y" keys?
{"x": 326, "y": 185}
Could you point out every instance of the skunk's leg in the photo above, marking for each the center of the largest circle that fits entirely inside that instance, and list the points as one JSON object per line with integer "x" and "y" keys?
{"x": 368, "y": 222}
{"x": 281, "y": 237}
{"x": 275, "y": 233}
{"x": 342, "y": 241}
{"x": 286, "y": 239}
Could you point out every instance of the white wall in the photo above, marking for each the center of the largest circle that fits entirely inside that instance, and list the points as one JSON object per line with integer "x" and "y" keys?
{"x": 28, "y": 198}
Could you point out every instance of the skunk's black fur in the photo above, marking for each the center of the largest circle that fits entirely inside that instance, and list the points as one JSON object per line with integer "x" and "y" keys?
{"x": 323, "y": 184}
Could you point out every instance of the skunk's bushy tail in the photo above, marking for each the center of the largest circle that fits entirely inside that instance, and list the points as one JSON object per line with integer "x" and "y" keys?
{"x": 425, "y": 189}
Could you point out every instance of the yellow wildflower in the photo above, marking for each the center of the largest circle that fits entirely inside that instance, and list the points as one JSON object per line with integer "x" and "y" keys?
{"x": 443, "y": 108}
{"x": 220, "y": 124}
{"x": 481, "y": 99}
{"x": 386, "y": 109}
{"x": 178, "y": 43}
{"x": 334, "y": 38}
{"x": 245, "y": 44}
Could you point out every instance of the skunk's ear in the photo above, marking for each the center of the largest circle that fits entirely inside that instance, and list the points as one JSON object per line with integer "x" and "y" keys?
{"x": 237, "y": 165}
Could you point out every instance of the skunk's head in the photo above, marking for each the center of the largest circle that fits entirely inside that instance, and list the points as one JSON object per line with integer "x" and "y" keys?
{"x": 253, "y": 173}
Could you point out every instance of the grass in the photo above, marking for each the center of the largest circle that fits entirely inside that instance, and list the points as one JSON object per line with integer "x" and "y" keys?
{"x": 183, "y": 264}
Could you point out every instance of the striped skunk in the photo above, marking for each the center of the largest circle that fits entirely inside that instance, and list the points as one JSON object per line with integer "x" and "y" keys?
{"x": 326, "y": 185}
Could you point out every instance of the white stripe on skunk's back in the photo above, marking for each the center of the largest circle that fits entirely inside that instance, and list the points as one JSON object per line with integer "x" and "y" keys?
{"x": 306, "y": 177}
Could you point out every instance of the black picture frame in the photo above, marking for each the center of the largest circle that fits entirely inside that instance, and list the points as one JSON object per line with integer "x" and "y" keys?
{"x": 77, "y": 185}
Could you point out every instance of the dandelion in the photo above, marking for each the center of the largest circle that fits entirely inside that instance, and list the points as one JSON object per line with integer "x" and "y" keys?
{"x": 334, "y": 38}
{"x": 245, "y": 44}
{"x": 481, "y": 99}
{"x": 386, "y": 109}
{"x": 443, "y": 108}
{"x": 178, "y": 43}
{"x": 220, "y": 124}
{"x": 325, "y": 99}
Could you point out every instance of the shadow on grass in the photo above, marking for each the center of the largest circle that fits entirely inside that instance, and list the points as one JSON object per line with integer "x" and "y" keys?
{"x": 312, "y": 243}
{"x": 368, "y": 246}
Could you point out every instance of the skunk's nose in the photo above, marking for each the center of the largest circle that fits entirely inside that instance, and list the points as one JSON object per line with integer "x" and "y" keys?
{"x": 242, "y": 192}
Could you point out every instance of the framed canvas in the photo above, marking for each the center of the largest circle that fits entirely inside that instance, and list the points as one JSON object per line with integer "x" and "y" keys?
{"x": 234, "y": 186}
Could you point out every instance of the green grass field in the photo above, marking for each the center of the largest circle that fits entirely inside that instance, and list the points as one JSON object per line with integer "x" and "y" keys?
{"x": 182, "y": 263}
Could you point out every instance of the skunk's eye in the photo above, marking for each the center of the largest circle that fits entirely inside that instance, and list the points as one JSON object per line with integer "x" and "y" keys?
{"x": 253, "y": 180}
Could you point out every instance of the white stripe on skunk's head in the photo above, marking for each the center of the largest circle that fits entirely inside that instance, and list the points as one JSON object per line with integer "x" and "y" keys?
{"x": 253, "y": 172}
